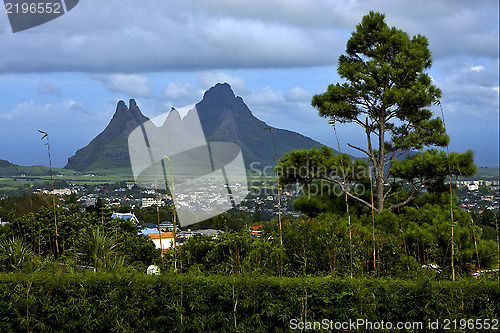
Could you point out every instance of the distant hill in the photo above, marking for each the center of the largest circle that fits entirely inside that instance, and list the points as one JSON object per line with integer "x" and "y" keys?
{"x": 223, "y": 116}
{"x": 8, "y": 169}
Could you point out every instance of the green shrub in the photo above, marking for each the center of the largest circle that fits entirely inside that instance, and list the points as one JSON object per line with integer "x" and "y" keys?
{"x": 105, "y": 302}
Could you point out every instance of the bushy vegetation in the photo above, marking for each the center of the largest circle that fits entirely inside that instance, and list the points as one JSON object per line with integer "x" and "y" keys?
{"x": 85, "y": 238}
{"x": 405, "y": 246}
{"x": 106, "y": 302}
{"x": 331, "y": 265}
{"x": 412, "y": 242}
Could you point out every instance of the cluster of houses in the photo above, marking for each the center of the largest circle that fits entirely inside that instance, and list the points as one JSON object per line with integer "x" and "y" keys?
{"x": 473, "y": 185}
{"x": 210, "y": 198}
{"x": 166, "y": 235}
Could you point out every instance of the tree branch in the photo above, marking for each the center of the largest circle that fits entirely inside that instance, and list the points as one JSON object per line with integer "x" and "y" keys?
{"x": 348, "y": 193}
{"x": 412, "y": 195}
{"x": 402, "y": 152}
{"x": 390, "y": 161}
{"x": 386, "y": 194}
{"x": 360, "y": 149}
{"x": 402, "y": 203}
{"x": 369, "y": 140}
{"x": 391, "y": 195}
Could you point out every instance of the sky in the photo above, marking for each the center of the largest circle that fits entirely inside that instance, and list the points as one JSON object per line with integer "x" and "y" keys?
{"x": 66, "y": 76}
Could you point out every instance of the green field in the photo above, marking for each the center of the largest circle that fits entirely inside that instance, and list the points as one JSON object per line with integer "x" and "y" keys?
{"x": 15, "y": 178}
{"x": 487, "y": 173}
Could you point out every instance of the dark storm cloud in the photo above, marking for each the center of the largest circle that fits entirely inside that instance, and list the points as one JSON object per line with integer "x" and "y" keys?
{"x": 141, "y": 36}
{"x": 130, "y": 36}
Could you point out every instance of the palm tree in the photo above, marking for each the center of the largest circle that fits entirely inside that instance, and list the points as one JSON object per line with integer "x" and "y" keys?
{"x": 14, "y": 254}
{"x": 98, "y": 250}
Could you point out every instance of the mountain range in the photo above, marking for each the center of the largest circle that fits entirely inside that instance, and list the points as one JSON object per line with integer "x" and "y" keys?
{"x": 224, "y": 117}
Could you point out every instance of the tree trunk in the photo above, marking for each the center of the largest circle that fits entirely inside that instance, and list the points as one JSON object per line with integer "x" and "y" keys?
{"x": 379, "y": 184}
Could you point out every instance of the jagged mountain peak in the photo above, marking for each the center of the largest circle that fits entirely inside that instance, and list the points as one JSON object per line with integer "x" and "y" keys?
{"x": 220, "y": 91}
{"x": 224, "y": 117}
{"x": 110, "y": 147}
{"x": 173, "y": 117}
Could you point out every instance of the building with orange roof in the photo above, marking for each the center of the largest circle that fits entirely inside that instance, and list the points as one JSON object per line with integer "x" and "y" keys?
{"x": 165, "y": 238}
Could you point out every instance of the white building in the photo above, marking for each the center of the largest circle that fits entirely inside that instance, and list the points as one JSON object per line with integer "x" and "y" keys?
{"x": 165, "y": 238}
{"x": 125, "y": 216}
{"x": 148, "y": 202}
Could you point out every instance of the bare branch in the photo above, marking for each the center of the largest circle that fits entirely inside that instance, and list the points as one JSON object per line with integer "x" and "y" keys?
{"x": 391, "y": 195}
{"x": 413, "y": 193}
{"x": 342, "y": 187}
{"x": 360, "y": 149}
{"x": 402, "y": 203}
{"x": 402, "y": 152}
{"x": 369, "y": 140}
{"x": 390, "y": 161}
{"x": 386, "y": 195}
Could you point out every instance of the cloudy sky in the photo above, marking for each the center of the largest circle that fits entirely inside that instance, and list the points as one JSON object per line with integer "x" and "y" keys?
{"x": 66, "y": 76}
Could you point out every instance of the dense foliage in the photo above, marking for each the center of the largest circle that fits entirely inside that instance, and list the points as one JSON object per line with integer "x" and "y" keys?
{"x": 406, "y": 246}
{"x": 187, "y": 303}
{"x": 402, "y": 244}
{"x": 89, "y": 237}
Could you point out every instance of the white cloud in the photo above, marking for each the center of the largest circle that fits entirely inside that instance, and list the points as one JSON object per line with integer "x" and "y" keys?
{"x": 297, "y": 94}
{"x": 290, "y": 110}
{"x": 31, "y": 112}
{"x": 23, "y": 110}
{"x": 178, "y": 89}
{"x": 131, "y": 85}
{"x": 477, "y": 68}
{"x": 206, "y": 80}
{"x": 70, "y": 124}
{"x": 266, "y": 96}
{"x": 470, "y": 91}
{"x": 270, "y": 97}
{"x": 78, "y": 107}
{"x": 49, "y": 88}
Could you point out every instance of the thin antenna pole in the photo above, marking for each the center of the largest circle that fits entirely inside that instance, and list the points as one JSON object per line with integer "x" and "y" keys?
{"x": 346, "y": 203}
{"x": 473, "y": 229}
{"x": 158, "y": 221}
{"x": 172, "y": 192}
{"x": 269, "y": 128}
{"x": 451, "y": 202}
{"x": 46, "y": 136}
{"x": 498, "y": 241}
{"x": 373, "y": 224}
